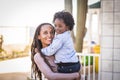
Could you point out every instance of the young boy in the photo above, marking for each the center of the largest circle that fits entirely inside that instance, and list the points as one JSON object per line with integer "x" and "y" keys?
{"x": 62, "y": 46}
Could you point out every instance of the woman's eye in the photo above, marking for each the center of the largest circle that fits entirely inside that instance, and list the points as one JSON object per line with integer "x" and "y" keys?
{"x": 45, "y": 32}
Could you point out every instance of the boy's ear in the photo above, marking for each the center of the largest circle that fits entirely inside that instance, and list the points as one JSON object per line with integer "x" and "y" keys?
{"x": 68, "y": 28}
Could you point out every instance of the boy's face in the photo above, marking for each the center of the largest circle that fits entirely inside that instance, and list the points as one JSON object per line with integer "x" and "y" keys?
{"x": 60, "y": 26}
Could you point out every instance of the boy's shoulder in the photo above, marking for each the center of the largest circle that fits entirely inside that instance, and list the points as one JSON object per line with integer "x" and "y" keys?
{"x": 63, "y": 35}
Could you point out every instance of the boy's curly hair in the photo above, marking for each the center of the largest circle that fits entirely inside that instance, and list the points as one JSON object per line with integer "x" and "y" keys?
{"x": 66, "y": 17}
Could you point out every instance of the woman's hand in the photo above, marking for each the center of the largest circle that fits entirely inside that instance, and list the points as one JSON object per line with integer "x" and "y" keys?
{"x": 78, "y": 76}
{"x": 36, "y": 50}
{"x": 50, "y": 60}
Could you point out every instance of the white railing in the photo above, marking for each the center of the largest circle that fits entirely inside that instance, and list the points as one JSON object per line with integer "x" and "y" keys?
{"x": 88, "y": 72}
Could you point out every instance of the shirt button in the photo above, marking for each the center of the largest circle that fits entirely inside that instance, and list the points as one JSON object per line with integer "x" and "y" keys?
{"x": 70, "y": 69}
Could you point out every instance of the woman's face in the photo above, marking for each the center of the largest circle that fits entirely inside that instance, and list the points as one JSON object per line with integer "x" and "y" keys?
{"x": 46, "y": 35}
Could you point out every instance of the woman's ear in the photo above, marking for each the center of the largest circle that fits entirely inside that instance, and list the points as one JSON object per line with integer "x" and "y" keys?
{"x": 36, "y": 50}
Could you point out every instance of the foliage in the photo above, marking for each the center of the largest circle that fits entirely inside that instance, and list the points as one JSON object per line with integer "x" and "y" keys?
{"x": 15, "y": 54}
{"x": 87, "y": 60}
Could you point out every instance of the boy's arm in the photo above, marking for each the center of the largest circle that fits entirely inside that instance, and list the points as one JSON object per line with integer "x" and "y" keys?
{"x": 53, "y": 47}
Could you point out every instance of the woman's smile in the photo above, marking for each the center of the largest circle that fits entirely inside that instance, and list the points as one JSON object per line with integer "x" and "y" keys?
{"x": 46, "y": 35}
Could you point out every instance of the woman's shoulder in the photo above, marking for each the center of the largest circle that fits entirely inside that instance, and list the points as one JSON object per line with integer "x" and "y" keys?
{"x": 37, "y": 57}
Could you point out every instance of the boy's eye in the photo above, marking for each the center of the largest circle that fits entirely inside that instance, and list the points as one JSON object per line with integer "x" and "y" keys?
{"x": 58, "y": 26}
{"x": 55, "y": 25}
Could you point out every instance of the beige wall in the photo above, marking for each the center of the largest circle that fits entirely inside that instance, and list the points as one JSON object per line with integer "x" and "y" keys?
{"x": 110, "y": 40}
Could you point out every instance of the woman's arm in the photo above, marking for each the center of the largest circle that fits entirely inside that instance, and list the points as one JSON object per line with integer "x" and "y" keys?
{"x": 44, "y": 68}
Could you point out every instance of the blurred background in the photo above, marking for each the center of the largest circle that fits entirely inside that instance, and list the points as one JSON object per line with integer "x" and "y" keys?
{"x": 18, "y": 21}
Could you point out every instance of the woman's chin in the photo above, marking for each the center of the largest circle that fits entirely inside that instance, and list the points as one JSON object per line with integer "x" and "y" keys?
{"x": 49, "y": 43}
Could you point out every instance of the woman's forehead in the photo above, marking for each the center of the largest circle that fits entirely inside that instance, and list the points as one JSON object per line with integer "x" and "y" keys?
{"x": 47, "y": 27}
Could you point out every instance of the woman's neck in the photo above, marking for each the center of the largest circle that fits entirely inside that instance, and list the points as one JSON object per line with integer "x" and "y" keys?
{"x": 44, "y": 45}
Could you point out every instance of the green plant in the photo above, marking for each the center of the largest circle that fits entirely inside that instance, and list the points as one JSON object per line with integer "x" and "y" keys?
{"x": 87, "y": 60}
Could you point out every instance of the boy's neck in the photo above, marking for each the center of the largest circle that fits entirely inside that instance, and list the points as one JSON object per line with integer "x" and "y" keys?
{"x": 61, "y": 33}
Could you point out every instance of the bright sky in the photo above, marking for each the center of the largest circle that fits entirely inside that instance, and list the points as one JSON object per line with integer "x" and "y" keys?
{"x": 22, "y": 13}
{"x": 28, "y": 12}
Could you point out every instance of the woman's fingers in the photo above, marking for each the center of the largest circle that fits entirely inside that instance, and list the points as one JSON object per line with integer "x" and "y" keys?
{"x": 36, "y": 50}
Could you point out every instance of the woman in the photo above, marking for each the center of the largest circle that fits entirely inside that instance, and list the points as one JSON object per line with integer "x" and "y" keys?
{"x": 42, "y": 38}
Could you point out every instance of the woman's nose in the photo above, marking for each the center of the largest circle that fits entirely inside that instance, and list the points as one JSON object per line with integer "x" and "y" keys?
{"x": 49, "y": 35}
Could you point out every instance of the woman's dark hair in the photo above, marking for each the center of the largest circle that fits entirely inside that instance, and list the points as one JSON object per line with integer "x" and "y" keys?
{"x": 37, "y": 44}
{"x": 66, "y": 17}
